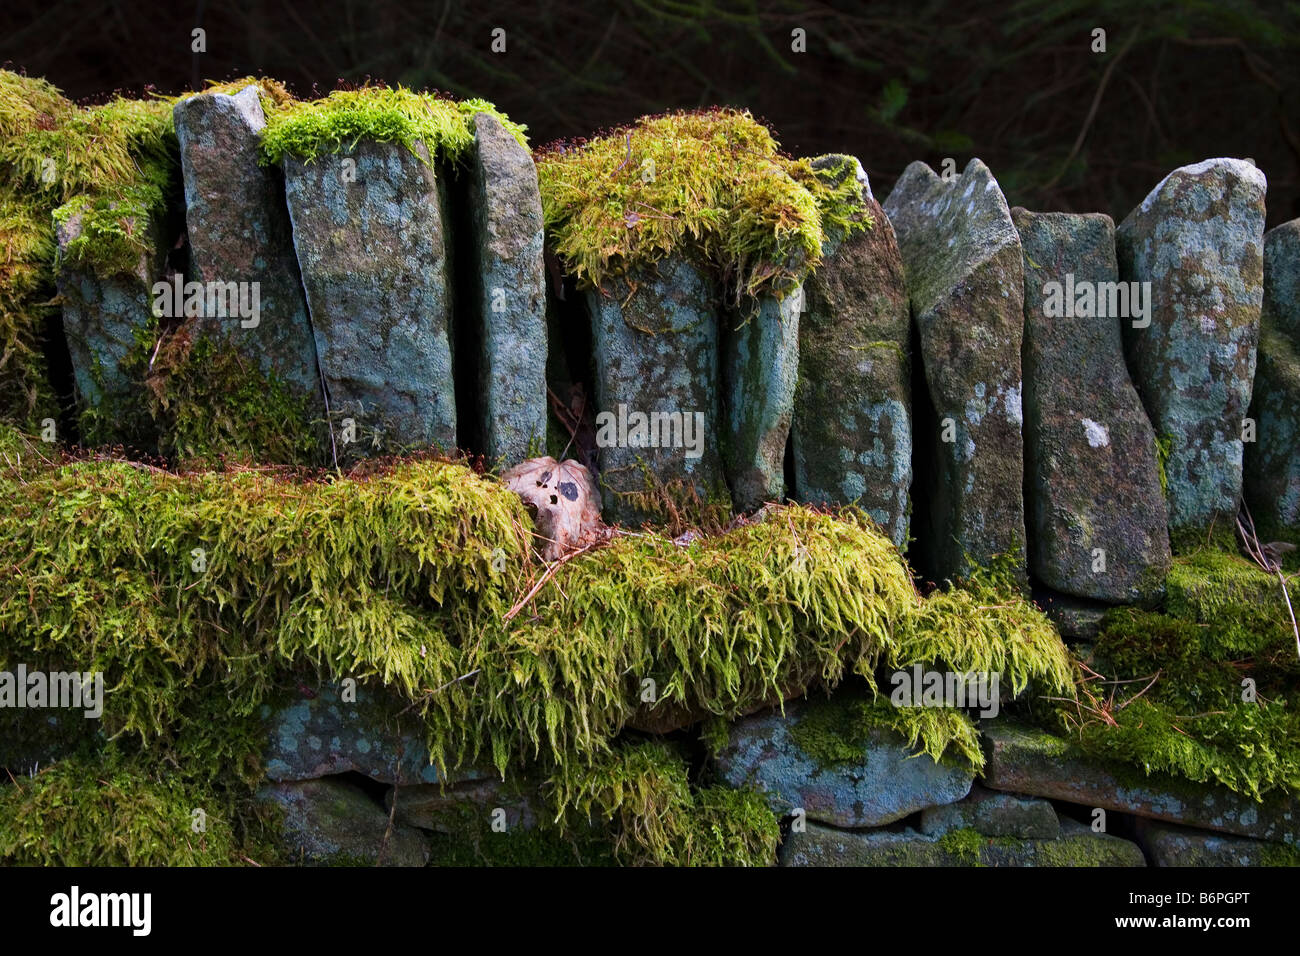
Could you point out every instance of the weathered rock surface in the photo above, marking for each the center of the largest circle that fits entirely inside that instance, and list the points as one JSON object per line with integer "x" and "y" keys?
{"x": 239, "y": 231}
{"x": 994, "y": 814}
{"x": 1078, "y": 619}
{"x": 101, "y": 313}
{"x": 851, "y": 436}
{"x": 322, "y": 734}
{"x": 1095, "y": 509}
{"x": 1024, "y": 760}
{"x": 507, "y": 219}
{"x": 466, "y": 807}
{"x": 372, "y": 248}
{"x": 760, "y": 366}
{"x": 1179, "y": 846}
{"x": 885, "y": 785}
{"x": 965, "y": 280}
{"x": 331, "y": 821}
{"x": 1197, "y": 238}
{"x": 1272, "y": 463}
{"x": 657, "y": 351}
{"x": 1077, "y": 845}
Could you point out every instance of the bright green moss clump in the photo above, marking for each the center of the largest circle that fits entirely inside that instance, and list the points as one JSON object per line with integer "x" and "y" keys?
{"x": 1205, "y": 691}
{"x": 309, "y": 130}
{"x": 710, "y": 184}
{"x": 111, "y": 811}
{"x": 113, "y": 169}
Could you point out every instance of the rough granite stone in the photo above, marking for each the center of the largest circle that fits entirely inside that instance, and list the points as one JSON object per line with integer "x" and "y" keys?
{"x": 657, "y": 351}
{"x": 1272, "y": 465}
{"x": 1198, "y": 239}
{"x": 239, "y": 231}
{"x": 506, "y": 211}
{"x": 321, "y": 734}
{"x": 965, "y": 280}
{"x": 1076, "y": 846}
{"x": 331, "y": 821}
{"x": 851, "y": 438}
{"x": 886, "y": 784}
{"x": 101, "y": 313}
{"x": 1180, "y": 846}
{"x": 994, "y": 814}
{"x": 760, "y": 366}
{"x": 1024, "y": 760}
{"x": 1092, "y": 474}
{"x": 1077, "y": 619}
{"x": 372, "y": 250}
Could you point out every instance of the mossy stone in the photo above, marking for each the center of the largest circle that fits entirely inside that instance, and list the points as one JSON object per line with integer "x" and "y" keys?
{"x": 506, "y": 211}
{"x": 1182, "y": 846}
{"x": 1077, "y": 846}
{"x": 1024, "y": 760}
{"x": 657, "y": 351}
{"x": 878, "y": 781}
{"x": 104, "y": 314}
{"x": 965, "y": 280}
{"x": 851, "y": 436}
{"x": 334, "y": 822}
{"x": 1091, "y": 470}
{"x": 1272, "y": 466}
{"x": 760, "y": 366}
{"x": 371, "y": 242}
{"x": 1197, "y": 238}
{"x": 239, "y": 231}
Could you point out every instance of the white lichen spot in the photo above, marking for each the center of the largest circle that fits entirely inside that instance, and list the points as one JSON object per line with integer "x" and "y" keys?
{"x": 1098, "y": 435}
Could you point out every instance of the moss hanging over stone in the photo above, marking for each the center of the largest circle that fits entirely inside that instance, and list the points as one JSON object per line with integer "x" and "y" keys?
{"x": 112, "y": 166}
{"x": 335, "y": 124}
{"x": 710, "y": 184}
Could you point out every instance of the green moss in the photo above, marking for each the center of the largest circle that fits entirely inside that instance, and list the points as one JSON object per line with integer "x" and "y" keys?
{"x": 111, "y": 810}
{"x": 309, "y": 130}
{"x": 1239, "y": 607}
{"x": 964, "y": 844}
{"x": 1172, "y": 697}
{"x": 211, "y": 403}
{"x": 838, "y": 731}
{"x": 711, "y": 185}
{"x": 112, "y": 167}
{"x": 660, "y": 819}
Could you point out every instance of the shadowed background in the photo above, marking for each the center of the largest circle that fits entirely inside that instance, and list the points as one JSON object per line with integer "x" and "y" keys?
{"x": 1015, "y": 84}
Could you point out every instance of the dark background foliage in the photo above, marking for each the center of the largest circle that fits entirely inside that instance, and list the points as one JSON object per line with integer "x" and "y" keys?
{"x": 1014, "y": 83}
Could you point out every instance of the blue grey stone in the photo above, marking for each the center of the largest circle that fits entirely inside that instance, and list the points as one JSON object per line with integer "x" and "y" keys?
{"x": 1092, "y": 469}
{"x": 851, "y": 438}
{"x": 886, "y": 784}
{"x": 656, "y": 350}
{"x": 239, "y": 231}
{"x": 965, "y": 280}
{"x": 103, "y": 313}
{"x": 1181, "y": 846}
{"x": 994, "y": 814}
{"x": 371, "y": 242}
{"x": 315, "y": 736}
{"x": 506, "y": 211}
{"x": 1076, "y": 846}
{"x": 1024, "y": 760}
{"x": 334, "y": 822}
{"x": 1272, "y": 461}
{"x": 1198, "y": 239}
{"x": 760, "y": 366}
